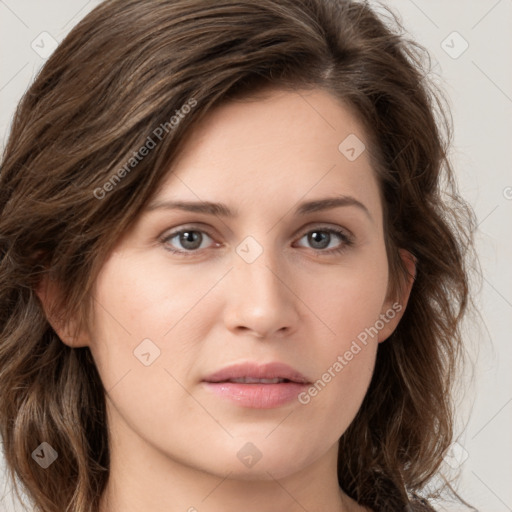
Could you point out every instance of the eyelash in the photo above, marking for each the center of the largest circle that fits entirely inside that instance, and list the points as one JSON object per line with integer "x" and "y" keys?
{"x": 346, "y": 239}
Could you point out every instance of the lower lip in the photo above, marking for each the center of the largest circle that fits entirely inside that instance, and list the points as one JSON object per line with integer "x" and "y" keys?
{"x": 257, "y": 396}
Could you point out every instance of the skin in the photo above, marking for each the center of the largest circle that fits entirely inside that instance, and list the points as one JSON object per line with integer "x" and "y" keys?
{"x": 173, "y": 444}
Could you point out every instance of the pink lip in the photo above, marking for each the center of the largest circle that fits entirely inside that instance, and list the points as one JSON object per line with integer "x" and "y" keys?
{"x": 257, "y": 396}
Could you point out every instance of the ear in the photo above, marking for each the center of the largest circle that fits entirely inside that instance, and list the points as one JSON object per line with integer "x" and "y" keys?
{"x": 394, "y": 308}
{"x": 67, "y": 329}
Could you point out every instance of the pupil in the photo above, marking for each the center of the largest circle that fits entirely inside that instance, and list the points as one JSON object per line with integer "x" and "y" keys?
{"x": 189, "y": 239}
{"x": 315, "y": 239}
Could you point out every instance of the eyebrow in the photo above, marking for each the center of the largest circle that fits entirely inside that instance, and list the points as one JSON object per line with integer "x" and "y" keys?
{"x": 222, "y": 210}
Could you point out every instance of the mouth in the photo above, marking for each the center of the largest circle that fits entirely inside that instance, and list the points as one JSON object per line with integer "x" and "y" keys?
{"x": 257, "y": 386}
{"x": 253, "y": 380}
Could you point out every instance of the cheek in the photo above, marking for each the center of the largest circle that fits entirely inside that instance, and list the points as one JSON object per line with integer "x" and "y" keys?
{"x": 349, "y": 299}
{"x": 137, "y": 302}
{"x": 348, "y": 304}
{"x": 146, "y": 335}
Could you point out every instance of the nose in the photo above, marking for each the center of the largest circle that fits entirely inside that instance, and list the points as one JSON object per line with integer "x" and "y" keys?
{"x": 261, "y": 301}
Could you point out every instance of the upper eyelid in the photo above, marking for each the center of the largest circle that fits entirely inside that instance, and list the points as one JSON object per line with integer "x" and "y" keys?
{"x": 207, "y": 230}
{"x": 176, "y": 231}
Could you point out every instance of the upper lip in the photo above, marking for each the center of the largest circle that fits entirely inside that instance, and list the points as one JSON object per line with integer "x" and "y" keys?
{"x": 255, "y": 370}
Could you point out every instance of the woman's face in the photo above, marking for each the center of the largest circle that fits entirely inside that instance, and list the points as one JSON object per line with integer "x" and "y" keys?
{"x": 284, "y": 277}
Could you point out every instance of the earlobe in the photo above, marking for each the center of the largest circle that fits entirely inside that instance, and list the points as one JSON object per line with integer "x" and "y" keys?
{"x": 393, "y": 311}
{"x": 48, "y": 292}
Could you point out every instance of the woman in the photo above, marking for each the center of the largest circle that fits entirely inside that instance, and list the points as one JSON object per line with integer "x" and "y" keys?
{"x": 228, "y": 277}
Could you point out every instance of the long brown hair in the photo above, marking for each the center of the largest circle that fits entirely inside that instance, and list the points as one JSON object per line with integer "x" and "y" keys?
{"x": 127, "y": 69}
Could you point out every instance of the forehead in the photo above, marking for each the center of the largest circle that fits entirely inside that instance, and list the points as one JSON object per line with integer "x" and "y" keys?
{"x": 282, "y": 146}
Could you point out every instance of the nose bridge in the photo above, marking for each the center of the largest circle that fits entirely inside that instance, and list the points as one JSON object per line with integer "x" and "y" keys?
{"x": 261, "y": 302}
{"x": 259, "y": 276}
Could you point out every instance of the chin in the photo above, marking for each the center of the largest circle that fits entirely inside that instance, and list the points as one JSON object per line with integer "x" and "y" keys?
{"x": 260, "y": 460}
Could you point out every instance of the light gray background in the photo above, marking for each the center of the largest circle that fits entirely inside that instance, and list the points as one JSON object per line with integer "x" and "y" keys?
{"x": 478, "y": 83}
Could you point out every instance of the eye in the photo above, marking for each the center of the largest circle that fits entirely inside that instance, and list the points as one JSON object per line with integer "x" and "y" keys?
{"x": 187, "y": 240}
{"x": 334, "y": 240}
{"x": 190, "y": 240}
